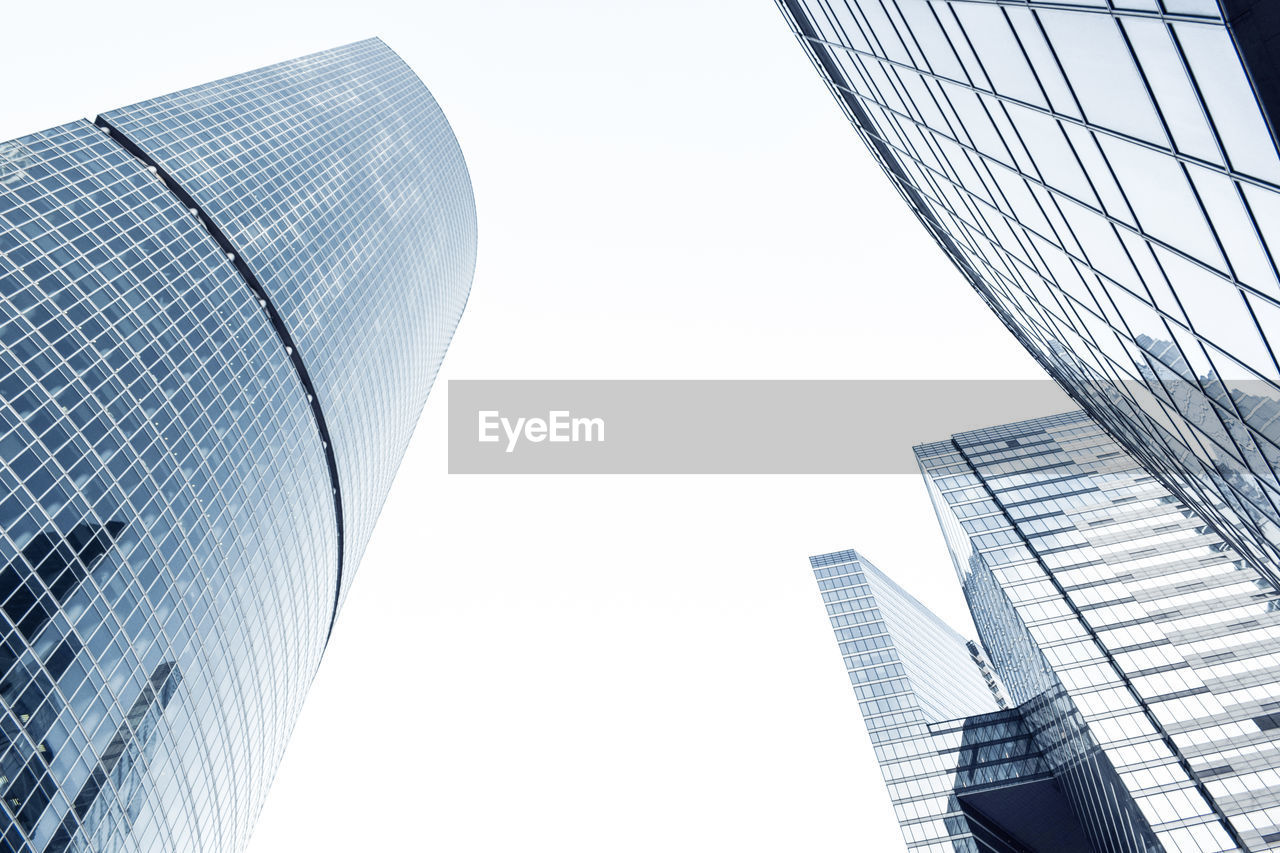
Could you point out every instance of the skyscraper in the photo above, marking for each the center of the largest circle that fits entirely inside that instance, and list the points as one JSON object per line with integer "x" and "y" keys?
{"x": 221, "y": 313}
{"x": 1136, "y": 651}
{"x": 1105, "y": 175}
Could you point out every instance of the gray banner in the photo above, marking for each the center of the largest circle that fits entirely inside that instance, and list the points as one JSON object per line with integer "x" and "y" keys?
{"x": 722, "y": 427}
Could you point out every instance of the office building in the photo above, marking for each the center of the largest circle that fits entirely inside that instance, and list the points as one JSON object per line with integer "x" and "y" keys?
{"x": 221, "y": 312}
{"x": 1136, "y": 653}
{"x": 1105, "y": 175}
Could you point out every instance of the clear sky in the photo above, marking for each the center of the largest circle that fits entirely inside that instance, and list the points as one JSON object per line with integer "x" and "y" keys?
{"x": 665, "y": 190}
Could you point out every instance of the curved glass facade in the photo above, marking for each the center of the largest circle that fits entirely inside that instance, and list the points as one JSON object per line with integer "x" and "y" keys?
{"x": 1105, "y": 176}
{"x": 169, "y": 542}
{"x": 339, "y": 183}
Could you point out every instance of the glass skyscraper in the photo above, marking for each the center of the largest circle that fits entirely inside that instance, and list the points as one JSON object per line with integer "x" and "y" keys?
{"x": 1136, "y": 652}
{"x": 1104, "y": 173}
{"x": 221, "y": 312}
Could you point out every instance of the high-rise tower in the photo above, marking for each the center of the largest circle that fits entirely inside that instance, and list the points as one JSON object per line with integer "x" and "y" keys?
{"x": 221, "y": 312}
{"x": 1136, "y": 650}
{"x": 1105, "y": 175}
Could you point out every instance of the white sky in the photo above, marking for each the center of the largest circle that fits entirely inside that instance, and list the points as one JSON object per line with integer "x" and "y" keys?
{"x": 665, "y": 190}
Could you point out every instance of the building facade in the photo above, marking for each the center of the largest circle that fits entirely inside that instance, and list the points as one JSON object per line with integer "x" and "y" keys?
{"x": 1136, "y": 651}
{"x": 221, "y": 312}
{"x": 1105, "y": 175}
{"x": 909, "y": 670}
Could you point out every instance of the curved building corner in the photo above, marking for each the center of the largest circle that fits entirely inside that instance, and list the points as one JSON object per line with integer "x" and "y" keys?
{"x": 222, "y": 313}
{"x": 1106, "y": 176}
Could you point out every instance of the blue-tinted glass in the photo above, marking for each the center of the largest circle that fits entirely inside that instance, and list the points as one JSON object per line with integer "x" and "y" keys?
{"x": 169, "y": 541}
{"x": 1105, "y": 175}
{"x": 1139, "y": 647}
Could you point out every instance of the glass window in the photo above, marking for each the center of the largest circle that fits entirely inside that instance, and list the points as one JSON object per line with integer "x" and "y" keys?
{"x": 1229, "y": 96}
{"x": 1100, "y": 70}
{"x": 1175, "y": 96}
